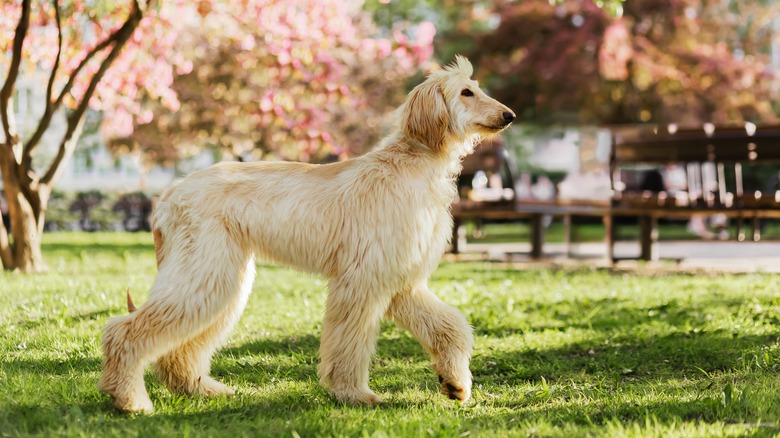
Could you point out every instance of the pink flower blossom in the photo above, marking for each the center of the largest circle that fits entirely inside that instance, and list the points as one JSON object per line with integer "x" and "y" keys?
{"x": 300, "y": 61}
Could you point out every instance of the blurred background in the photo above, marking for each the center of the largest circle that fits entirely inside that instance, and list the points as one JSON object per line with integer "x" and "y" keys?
{"x": 206, "y": 81}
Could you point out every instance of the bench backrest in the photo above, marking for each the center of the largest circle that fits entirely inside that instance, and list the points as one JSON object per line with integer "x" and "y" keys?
{"x": 652, "y": 145}
{"x": 709, "y": 155}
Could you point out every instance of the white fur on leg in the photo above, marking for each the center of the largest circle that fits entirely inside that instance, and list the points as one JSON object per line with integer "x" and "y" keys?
{"x": 168, "y": 320}
{"x": 443, "y": 332}
{"x": 186, "y": 368}
{"x": 123, "y": 379}
{"x": 348, "y": 340}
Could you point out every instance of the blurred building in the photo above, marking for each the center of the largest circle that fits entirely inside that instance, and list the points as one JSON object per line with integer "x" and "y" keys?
{"x": 92, "y": 166}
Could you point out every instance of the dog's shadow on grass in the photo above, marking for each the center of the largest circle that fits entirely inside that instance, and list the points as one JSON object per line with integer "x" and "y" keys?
{"x": 296, "y": 357}
{"x": 388, "y": 345}
{"x": 253, "y": 415}
{"x": 306, "y": 343}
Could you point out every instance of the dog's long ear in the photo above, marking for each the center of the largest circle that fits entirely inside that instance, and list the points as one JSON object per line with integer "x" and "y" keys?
{"x": 425, "y": 115}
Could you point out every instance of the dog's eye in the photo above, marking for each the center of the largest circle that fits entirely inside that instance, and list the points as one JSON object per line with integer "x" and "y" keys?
{"x": 466, "y": 92}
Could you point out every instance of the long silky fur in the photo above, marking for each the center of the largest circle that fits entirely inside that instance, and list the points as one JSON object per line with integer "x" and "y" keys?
{"x": 375, "y": 226}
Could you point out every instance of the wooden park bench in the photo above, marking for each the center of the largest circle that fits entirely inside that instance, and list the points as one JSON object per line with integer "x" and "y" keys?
{"x": 729, "y": 154}
{"x": 714, "y": 159}
{"x": 503, "y": 204}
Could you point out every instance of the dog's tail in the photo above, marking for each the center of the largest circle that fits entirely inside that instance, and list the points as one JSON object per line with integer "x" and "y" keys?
{"x": 130, "y": 305}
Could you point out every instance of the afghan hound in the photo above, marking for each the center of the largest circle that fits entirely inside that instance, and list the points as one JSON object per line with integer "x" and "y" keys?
{"x": 375, "y": 226}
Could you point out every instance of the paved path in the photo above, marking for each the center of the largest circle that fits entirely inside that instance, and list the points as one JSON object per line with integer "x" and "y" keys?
{"x": 726, "y": 256}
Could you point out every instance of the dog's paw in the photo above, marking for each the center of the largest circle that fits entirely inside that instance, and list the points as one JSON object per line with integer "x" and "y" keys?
{"x": 359, "y": 398}
{"x": 140, "y": 405}
{"x": 209, "y": 387}
{"x": 127, "y": 399}
{"x": 453, "y": 391}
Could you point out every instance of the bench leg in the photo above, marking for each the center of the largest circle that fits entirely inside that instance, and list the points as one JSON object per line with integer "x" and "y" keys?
{"x": 609, "y": 227}
{"x": 740, "y": 229}
{"x": 648, "y": 235}
{"x": 456, "y": 236}
{"x": 756, "y": 229}
{"x": 537, "y": 236}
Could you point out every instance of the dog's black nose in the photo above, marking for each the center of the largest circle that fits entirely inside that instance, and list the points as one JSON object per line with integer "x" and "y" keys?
{"x": 508, "y": 117}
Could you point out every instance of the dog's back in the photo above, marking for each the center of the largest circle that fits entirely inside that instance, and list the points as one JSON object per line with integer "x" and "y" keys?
{"x": 319, "y": 218}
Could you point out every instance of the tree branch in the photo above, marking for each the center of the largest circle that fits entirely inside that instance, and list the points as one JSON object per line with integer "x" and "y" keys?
{"x": 56, "y": 66}
{"x": 72, "y": 79}
{"x": 75, "y": 119}
{"x": 48, "y": 112}
{"x": 13, "y": 72}
{"x": 7, "y": 148}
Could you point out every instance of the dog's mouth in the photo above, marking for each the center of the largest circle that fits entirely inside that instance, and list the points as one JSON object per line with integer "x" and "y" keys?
{"x": 495, "y": 128}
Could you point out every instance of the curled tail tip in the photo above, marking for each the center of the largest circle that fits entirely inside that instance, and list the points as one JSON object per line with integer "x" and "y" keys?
{"x": 130, "y": 305}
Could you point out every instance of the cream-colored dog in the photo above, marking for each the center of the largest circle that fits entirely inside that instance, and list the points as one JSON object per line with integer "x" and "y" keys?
{"x": 375, "y": 226}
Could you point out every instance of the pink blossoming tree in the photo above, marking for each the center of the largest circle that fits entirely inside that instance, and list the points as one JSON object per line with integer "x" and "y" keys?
{"x": 77, "y": 47}
{"x": 293, "y": 71}
{"x": 306, "y": 80}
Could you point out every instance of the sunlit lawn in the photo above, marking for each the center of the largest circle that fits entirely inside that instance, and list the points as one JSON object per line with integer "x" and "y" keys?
{"x": 558, "y": 353}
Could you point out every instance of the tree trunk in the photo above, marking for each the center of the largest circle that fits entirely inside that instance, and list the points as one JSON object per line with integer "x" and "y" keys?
{"x": 6, "y": 256}
{"x": 26, "y": 230}
{"x": 23, "y": 251}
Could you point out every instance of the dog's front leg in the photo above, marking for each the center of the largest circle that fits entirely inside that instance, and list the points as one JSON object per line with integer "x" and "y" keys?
{"x": 443, "y": 332}
{"x": 349, "y": 332}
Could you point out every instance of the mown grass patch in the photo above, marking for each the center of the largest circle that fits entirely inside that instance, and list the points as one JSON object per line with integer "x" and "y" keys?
{"x": 578, "y": 352}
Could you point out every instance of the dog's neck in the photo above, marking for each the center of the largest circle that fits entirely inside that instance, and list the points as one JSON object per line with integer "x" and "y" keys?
{"x": 447, "y": 159}
{"x": 457, "y": 149}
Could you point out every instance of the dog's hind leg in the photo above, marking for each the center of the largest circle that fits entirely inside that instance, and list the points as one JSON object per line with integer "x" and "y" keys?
{"x": 443, "y": 332}
{"x": 352, "y": 318}
{"x": 195, "y": 286}
{"x": 123, "y": 370}
{"x": 186, "y": 368}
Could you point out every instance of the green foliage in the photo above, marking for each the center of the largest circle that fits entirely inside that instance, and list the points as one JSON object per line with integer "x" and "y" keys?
{"x": 644, "y": 61}
{"x": 579, "y": 352}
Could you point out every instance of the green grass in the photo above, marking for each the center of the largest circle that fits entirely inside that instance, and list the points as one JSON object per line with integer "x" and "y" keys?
{"x": 593, "y": 231}
{"x": 569, "y": 353}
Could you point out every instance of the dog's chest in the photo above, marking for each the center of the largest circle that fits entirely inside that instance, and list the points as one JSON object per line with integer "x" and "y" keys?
{"x": 433, "y": 190}
{"x": 429, "y": 205}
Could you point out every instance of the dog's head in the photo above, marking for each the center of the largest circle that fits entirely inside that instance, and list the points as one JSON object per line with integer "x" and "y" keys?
{"x": 449, "y": 107}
